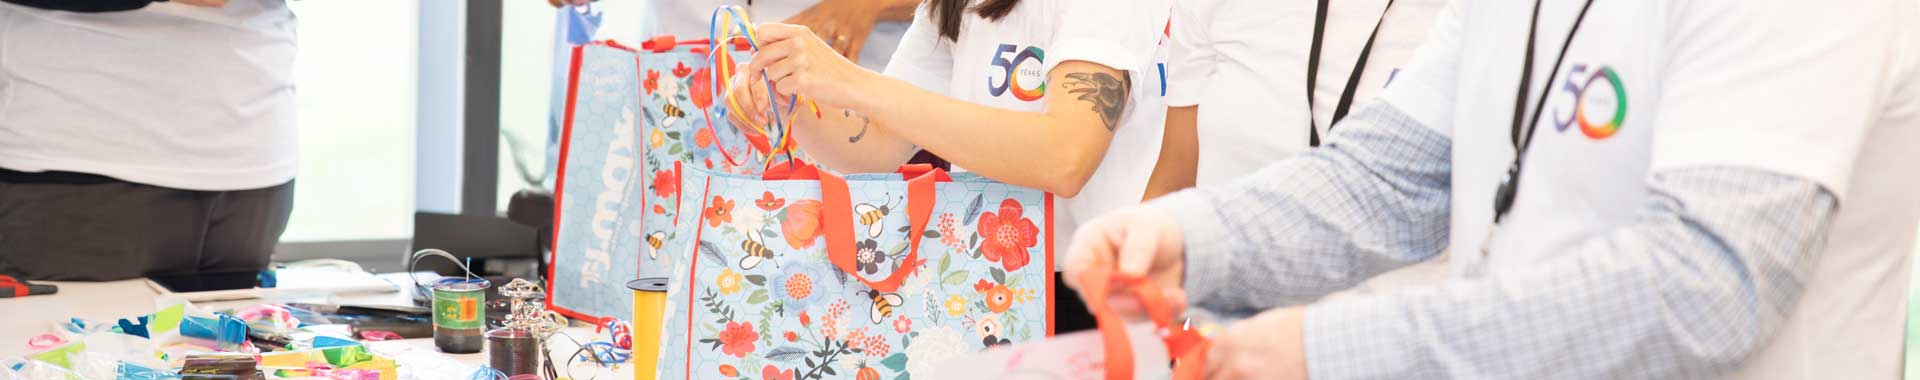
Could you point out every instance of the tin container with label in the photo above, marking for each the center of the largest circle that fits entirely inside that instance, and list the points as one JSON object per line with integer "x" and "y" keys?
{"x": 459, "y": 314}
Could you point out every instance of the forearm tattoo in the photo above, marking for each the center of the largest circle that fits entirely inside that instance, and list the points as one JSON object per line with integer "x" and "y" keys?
{"x": 1107, "y": 93}
{"x": 864, "y": 123}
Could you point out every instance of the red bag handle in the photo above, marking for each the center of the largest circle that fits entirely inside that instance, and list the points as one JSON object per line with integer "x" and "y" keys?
{"x": 666, "y": 42}
{"x": 1184, "y": 344}
{"x": 837, "y": 220}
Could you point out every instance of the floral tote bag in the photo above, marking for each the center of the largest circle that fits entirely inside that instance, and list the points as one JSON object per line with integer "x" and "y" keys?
{"x": 596, "y": 238}
{"x": 681, "y": 127}
{"x": 802, "y": 274}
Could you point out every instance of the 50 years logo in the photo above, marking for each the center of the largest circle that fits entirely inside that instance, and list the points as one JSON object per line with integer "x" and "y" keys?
{"x": 1018, "y": 70}
{"x": 1599, "y": 102}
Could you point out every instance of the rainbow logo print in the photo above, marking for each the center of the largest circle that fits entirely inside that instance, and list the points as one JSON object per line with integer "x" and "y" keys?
{"x": 1598, "y": 112}
{"x": 1013, "y": 68}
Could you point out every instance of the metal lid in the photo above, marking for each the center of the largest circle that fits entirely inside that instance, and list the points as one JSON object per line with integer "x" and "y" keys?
{"x": 461, "y": 284}
{"x": 654, "y": 284}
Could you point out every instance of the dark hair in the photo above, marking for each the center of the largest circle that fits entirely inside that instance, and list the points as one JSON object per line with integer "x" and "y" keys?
{"x": 948, "y": 13}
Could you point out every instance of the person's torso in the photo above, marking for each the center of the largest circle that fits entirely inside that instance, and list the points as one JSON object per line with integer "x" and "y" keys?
{"x": 1254, "y": 111}
{"x": 1585, "y": 175}
{"x": 1001, "y": 64}
{"x": 691, "y": 19}
{"x": 170, "y": 95}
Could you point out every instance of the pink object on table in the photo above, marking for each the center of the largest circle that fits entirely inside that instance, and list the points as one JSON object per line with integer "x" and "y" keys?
{"x": 45, "y": 341}
{"x": 379, "y": 335}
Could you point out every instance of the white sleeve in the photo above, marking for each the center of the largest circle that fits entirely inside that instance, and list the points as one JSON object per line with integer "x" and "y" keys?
{"x": 1426, "y": 86}
{"x": 1122, "y": 35}
{"x": 1786, "y": 86}
{"x": 1191, "y": 58}
{"x": 923, "y": 58}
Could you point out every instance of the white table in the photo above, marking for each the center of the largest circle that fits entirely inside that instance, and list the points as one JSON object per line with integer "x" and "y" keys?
{"x": 26, "y": 317}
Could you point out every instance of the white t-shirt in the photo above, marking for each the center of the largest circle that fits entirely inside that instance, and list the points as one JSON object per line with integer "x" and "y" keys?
{"x": 1004, "y": 64}
{"x": 1656, "y": 85}
{"x": 690, "y": 19}
{"x": 1245, "y": 62}
{"x": 170, "y": 95}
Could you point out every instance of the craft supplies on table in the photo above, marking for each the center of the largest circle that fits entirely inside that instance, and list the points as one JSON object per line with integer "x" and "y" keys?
{"x": 518, "y": 347}
{"x": 11, "y": 287}
{"x": 649, "y": 297}
{"x": 459, "y": 306}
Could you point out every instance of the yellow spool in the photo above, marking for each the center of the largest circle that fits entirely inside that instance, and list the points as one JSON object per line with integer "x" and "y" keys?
{"x": 649, "y": 296}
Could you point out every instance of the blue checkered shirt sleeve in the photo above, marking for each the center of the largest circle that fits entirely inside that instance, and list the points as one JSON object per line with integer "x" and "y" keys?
{"x": 1684, "y": 292}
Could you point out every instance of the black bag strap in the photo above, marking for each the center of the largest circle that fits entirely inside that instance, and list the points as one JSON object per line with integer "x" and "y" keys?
{"x": 1353, "y": 79}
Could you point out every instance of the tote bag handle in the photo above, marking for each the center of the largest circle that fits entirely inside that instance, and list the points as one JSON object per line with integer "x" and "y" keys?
{"x": 1186, "y": 346}
{"x": 837, "y": 220}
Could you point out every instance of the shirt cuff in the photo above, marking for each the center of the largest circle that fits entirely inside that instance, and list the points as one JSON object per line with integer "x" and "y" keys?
{"x": 1208, "y": 248}
{"x": 1360, "y": 338}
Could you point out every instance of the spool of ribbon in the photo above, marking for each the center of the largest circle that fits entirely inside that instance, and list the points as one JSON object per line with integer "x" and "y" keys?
{"x": 619, "y": 332}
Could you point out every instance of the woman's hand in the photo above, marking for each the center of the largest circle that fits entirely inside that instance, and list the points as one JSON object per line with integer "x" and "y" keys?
{"x": 1136, "y": 243}
{"x": 798, "y": 62}
{"x": 751, "y": 99}
{"x": 1267, "y": 346}
{"x": 843, "y": 24}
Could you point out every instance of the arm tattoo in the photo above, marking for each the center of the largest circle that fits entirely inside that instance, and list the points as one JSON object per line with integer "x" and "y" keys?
{"x": 1107, "y": 93}
{"x": 864, "y": 123}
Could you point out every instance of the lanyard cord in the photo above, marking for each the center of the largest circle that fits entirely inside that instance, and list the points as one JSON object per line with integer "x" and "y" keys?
{"x": 1353, "y": 79}
{"x": 1522, "y": 140}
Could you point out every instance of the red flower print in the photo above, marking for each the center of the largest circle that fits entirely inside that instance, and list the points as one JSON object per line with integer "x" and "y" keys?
{"x": 657, "y": 210}
{"x": 701, "y": 89}
{"x": 771, "y": 373}
{"x": 1008, "y": 235}
{"x": 738, "y": 339}
{"x": 703, "y": 137}
{"x": 802, "y": 226}
{"x": 948, "y": 236}
{"x": 805, "y": 320}
{"x": 982, "y": 285}
{"x": 720, "y": 212}
{"x": 999, "y": 298}
{"x": 729, "y": 371}
{"x": 799, "y": 286}
{"x": 680, "y": 69}
{"x": 768, "y": 202}
{"x": 652, "y": 83}
{"x": 875, "y": 346}
{"x": 666, "y": 183}
{"x": 902, "y": 325}
{"x": 792, "y": 337}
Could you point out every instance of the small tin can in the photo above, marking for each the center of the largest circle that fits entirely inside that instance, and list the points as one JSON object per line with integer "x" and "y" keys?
{"x": 459, "y": 314}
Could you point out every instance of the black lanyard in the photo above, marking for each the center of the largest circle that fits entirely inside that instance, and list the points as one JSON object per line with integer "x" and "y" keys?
{"x": 1353, "y": 79}
{"x": 1510, "y": 184}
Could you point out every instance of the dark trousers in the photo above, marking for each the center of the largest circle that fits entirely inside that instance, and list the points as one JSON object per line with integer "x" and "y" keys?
{"x": 72, "y": 226}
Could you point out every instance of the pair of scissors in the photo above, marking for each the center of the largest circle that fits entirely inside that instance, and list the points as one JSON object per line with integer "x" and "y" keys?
{"x": 11, "y": 287}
